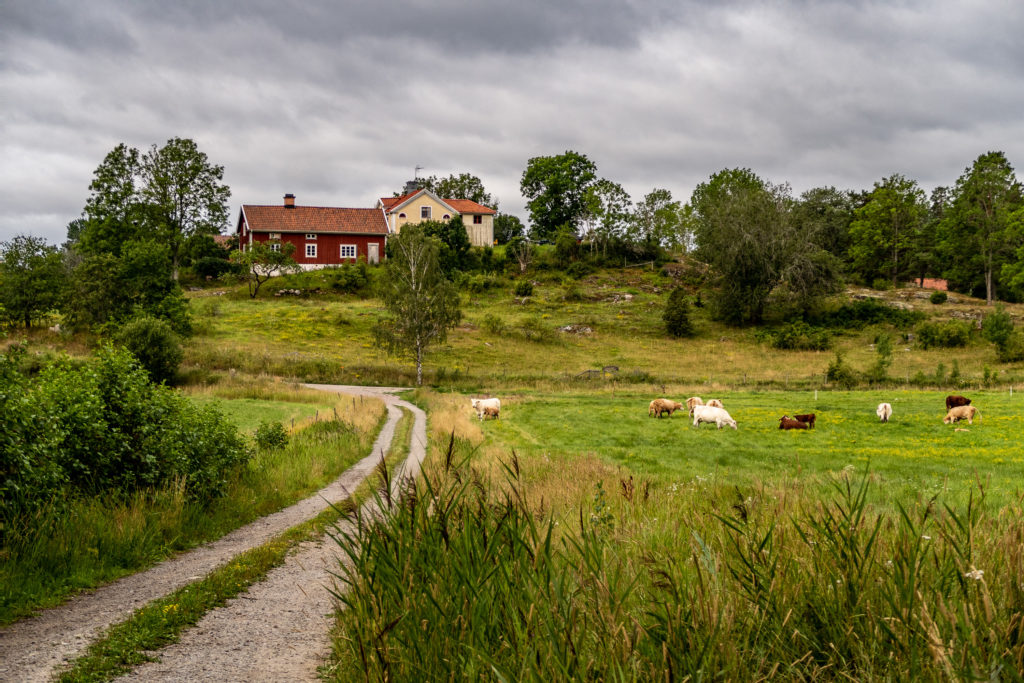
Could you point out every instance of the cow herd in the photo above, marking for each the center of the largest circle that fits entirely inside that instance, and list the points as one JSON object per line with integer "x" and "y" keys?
{"x": 957, "y": 408}
{"x": 713, "y": 412}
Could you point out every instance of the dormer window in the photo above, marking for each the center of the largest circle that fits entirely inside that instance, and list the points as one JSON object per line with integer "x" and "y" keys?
{"x": 425, "y": 212}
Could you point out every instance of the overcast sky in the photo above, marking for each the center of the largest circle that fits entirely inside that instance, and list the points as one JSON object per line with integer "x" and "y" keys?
{"x": 338, "y": 102}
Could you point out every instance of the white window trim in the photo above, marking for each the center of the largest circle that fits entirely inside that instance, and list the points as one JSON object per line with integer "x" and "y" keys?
{"x": 425, "y": 209}
{"x": 275, "y": 236}
{"x": 310, "y": 235}
{"x": 353, "y": 247}
{"x": 275, "y": 246}
{"x": 308, "y": 247}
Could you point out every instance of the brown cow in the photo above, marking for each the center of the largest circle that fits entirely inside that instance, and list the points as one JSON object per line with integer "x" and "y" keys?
{"x": 660, "y": 406}
{"x": 809, "y": 418}
{"x": 786, "y": 422}
{"x": 956, "y": 400}
{"x": 957, "y": 413}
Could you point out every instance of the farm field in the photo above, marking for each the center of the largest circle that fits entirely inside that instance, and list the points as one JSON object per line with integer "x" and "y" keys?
{"x": 913, "y": 457}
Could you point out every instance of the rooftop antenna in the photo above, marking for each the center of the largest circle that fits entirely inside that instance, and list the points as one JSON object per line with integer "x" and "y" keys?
{"x": 416, "y": 172}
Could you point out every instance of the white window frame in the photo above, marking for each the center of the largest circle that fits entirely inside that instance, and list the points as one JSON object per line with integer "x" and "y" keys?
{"x": 310, "y": 235}
{"x": 275, "y": 236}
{"x": 310, "y": 251}
{"x": 425, "y": 213}
{"x": 275, "y": 246}
{"x": 354, "y": 251}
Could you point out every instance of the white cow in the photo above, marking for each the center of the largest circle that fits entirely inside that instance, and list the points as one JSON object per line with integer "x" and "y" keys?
{"x": 718, "y": 416}
{"x": 884, "y": 412}
{"x": 490, "y": 406}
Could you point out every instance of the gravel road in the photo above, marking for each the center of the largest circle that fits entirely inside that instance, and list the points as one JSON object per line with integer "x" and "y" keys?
{"x": 277, "y": 631}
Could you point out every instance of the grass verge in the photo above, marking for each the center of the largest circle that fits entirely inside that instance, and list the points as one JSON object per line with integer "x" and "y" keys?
{"x": 160, "y": 623}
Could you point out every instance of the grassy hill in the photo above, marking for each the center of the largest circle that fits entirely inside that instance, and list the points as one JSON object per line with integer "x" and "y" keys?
{"x": 609, "y": 319}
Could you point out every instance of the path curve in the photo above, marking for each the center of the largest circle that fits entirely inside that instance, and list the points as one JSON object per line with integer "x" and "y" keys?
{"x": 275, "y": 631}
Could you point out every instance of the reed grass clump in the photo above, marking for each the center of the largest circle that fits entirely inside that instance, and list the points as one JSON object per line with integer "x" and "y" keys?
{"x": 466, "y": 579}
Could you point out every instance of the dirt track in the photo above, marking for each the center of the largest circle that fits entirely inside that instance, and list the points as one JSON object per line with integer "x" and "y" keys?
{"x": 277, "y": 631}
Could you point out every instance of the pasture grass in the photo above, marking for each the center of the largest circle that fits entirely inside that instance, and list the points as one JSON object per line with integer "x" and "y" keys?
{"x": 74, "y": 545}
{"x": 611, "y": 318}
{"x": 577, "y": 538}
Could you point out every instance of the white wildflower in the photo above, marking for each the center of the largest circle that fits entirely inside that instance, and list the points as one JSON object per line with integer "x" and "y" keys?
{"x": 976, "y": 574}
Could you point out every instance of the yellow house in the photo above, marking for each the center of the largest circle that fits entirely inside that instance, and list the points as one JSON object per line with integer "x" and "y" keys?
{"x": 424, "y": 205}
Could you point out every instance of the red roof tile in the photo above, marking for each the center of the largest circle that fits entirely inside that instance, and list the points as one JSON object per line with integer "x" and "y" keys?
{"x": 261, "y": 218}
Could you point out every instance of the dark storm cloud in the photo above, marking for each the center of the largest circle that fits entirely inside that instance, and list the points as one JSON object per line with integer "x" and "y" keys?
{"x": 338, "y": 104}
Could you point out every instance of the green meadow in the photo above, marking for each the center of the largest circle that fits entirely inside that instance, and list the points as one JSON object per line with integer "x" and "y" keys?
{"x": 915, "y": 451}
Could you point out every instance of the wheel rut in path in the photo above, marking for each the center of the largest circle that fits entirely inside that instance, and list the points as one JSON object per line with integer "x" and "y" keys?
{"x": 276, "y": 631}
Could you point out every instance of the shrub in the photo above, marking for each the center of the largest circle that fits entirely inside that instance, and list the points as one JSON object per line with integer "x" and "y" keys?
{"x": 103, "y": 428}
{"x": 1012, "y": 349}
{"x": 997, "y": 327}
{"x": 212, "y": 267}
{"x": 350, "y": 278}
{"x": 572, "y": 293}
{"x": 857, "y": 314}
{"x": 677, "y": 314}
{"x": 798, "y": 335}
{"x": 494, "y": 324}
{"x": 879, "y": 371}
{"x": 155, "y": 345}
{"x": 938, "y": 298}
{"x": 881, "y": 284}
{"x": 579, "y": 269}
{"x": 523, "y": 288}
{"x": 840, "y": 373}
{"x": 954, "y": 333}
{"x": 534, "y": 329}
{"x": 479, "y": 283}
{"x": 271, "y": 436}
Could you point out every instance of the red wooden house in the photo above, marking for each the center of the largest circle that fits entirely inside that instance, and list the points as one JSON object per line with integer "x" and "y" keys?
{"x": 322, "y": 235}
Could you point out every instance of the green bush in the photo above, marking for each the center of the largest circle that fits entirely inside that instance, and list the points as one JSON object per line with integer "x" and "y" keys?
{"x": 155, "y": 345}
{"x": 857, "y": 314}
{"x": 103, "y": 428}
{"x": 677, "y": 314}
{"x": 494, "y": 324}
{"x": 798, "y": 335}
{"x": 271, "y": 436}
{"x": 954, "y": 333}
{"x": 997, "y": 327}
{"x": 1012, "y": 349}
{"x": 523, "y": 288}
{"x": 479, "y": 283}
{"x": 841, "y": 374}
{"x": 535, "y": 330}
{"x": 579, "y": 269}
{"x": 881, "y": 284}
{"x": 938, "y": 298}
{"x": 350, "y": 278}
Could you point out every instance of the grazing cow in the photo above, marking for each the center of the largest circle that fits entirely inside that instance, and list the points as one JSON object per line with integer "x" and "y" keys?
{"x": 492, "y": 412}
{"x": 481, "y": 404}
{"x": 659, "y": 406}
{"x": 956, "y": 400}
{"x": 712, "y": 414}
{"x": 714, "y": 403}
{"x": 786, "y": 422}
{"x": 692, "y": 403}
{"x": 809, "y": 418}
{"x": 883, "y": 411}
{"x": 957, "y": 413}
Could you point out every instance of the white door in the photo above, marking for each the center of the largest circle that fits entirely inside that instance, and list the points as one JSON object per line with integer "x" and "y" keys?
{"x": 372, "y": 255}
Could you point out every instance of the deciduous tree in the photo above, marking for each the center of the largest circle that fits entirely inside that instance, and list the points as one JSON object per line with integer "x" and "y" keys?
{"x": 32, "y": 279}
{"x": 978, "y": 231}
{"x": 422, "y": 303}
{"x": 556, "y": 190}
{"x": 884, "y": 229}
{"x": 263, "y": 260}
{"x": 462, "y": 186}
{"x": 506, "y": 227}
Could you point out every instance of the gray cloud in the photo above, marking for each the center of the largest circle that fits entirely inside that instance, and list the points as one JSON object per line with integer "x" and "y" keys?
{"x": 337, "y": 104}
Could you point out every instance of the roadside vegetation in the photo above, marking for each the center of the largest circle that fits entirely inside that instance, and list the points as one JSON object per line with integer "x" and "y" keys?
{"x": 576, "y": 537}
{"x": 70, "y": 540}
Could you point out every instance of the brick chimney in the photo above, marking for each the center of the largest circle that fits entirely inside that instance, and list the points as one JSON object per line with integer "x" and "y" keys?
{"x": 289, "y": 201}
